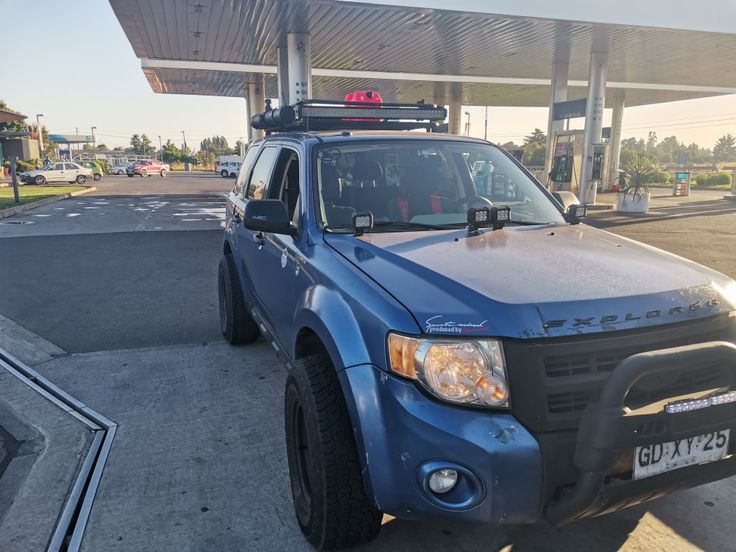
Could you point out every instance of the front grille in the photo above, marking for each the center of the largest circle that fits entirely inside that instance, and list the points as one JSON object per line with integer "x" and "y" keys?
{"x": 554, "y": 379}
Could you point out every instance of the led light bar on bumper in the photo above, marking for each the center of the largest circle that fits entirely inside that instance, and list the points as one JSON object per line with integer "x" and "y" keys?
{"x": 699, "y": 404}
{"x": 469, "y": 372}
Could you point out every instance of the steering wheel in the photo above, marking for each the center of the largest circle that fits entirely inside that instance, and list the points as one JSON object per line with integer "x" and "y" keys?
{"x": 477, "y": 201}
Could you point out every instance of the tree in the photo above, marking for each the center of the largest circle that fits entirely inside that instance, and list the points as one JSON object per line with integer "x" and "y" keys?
{"x": 140, "y": 144}
{"x": 536, "y": 137}
{"x": 136, "y": 145}
{"x": 171, "y": 152}
{"x": 725, "y": 148}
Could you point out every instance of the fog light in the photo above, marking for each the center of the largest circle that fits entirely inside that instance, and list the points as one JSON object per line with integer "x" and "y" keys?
{"x": 442, "y": 481}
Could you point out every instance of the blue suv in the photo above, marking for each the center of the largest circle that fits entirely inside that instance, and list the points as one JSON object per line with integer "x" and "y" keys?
{"x": 457, "y": 344}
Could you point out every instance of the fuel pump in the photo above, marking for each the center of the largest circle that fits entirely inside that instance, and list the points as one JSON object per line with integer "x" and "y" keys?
{"x": 566, "y": 161}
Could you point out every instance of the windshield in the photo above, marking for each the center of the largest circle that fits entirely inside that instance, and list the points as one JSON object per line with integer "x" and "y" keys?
{"x": 423, "y": 185}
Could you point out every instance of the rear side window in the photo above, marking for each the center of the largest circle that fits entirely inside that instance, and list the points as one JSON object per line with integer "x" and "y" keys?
{"x": 261, "y": 173}
{"x": 59, "y": 167}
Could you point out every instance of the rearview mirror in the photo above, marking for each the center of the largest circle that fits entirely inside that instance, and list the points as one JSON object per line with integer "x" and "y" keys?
{"x": 268, "y": 215}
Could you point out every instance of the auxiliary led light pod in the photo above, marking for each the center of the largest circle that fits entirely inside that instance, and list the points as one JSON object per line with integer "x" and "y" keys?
{"x": 482, "y": 217}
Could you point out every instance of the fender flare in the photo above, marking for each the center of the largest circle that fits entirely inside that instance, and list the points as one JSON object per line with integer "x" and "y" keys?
{"x": 325, "y": 312}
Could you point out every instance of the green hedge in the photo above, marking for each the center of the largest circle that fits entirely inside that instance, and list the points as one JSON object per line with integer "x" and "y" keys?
{"x": 29, "y": 165}
{"x": 660, "y": 177}
{"x": 717, "y": 179}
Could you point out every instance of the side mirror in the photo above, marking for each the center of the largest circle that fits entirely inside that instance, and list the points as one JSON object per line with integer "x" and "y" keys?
{"x": 575, "y": 213}
{"x": 268, "y": 215}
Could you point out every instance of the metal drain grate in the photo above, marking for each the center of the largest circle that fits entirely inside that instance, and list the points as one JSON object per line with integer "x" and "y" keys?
{"x": 16, "y": 222}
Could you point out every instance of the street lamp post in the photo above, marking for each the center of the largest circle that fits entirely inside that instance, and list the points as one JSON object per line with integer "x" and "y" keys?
{"x": 184, "y": 137}
{"x": 161, "y": 149}
{"x": 467, "y": 124}
{"x": 93, "y": 137}
{"x": 40, "y": 132}
{"x": 485, "y": 128}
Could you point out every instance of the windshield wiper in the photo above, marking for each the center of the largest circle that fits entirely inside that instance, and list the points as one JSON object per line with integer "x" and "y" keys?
{"x": 401, "y": 225}
{"x": 416, "y": 225}
{"x": 528, "y": 223}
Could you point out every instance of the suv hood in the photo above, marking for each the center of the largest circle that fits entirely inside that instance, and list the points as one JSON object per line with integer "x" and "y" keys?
{"x": 535, "y": 281}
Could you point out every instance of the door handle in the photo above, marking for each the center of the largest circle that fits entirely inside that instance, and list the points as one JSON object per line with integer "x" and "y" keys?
{"x": 258, "y": 238}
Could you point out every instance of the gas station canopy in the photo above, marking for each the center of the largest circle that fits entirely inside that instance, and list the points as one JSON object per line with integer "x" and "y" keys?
{"x": 498, "y": 52}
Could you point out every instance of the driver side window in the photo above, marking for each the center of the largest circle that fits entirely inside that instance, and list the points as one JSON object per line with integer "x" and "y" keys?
{"x": 285, "y": 182}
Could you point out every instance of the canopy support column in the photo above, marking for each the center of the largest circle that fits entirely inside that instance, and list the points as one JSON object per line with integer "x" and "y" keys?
{"x": 282, "y": 70}
{"x": 455, "y": 113}
{"x": 255, "y": 103}
{"x": 299, "y": 70}
{"x": 593, "y": 116}
{"x": 558, "y": 93}
{"x": 614, "y": 154}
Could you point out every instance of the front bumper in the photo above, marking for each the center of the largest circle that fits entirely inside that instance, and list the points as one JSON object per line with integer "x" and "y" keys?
{"x": 403, "y": 433}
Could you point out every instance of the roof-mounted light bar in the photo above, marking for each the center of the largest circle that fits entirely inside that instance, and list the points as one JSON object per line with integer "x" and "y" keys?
{"x": 333, "y": 115}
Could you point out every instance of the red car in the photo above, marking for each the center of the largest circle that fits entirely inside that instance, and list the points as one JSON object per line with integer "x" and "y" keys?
{"x": 147, "y": 168}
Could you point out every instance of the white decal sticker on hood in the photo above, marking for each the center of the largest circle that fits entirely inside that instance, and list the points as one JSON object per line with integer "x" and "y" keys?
{"x": 437, "y": 324}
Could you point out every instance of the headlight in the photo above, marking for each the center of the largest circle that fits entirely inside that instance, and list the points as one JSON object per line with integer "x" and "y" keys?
{"x": 463, "y": 372}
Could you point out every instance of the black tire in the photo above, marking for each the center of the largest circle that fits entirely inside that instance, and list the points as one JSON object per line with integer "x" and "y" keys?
{"x": 81, "y": 179}
{"x": 223, "y": 173}
{"x": 331, "y": 504}
{"x": 130, "y": 176}
{"x": 120, "y": 173}
{"x": 97, "y": 177}
{"x": 144, "y": 172}
{"x": 236, "y": 323}
{"x": 40, "y": 180}
{"x": 163, "y": 173}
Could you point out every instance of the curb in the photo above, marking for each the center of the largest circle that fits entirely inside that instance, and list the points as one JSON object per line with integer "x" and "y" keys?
{"x": 10, "y": 211}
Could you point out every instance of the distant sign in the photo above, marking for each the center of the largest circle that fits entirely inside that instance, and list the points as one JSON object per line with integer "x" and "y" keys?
{"x": 70, "y": 138}
{"x": 682, "y": 157}
{"x": 569, "y": 110}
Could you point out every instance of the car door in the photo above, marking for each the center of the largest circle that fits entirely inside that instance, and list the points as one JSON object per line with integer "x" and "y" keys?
{"x": 249, "y": 242}
{"x": 278, "y": 274}
{"x": 55, "y": 173}
{"x": 71, "y": 170}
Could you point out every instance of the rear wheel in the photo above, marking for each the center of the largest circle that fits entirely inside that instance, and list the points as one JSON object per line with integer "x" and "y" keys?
{"x": 97, "y": 177}
{"x": 331, "y": 504}
{"x": 120, "y": 172}
{"x": 223, "y": 173}
{"x": 163, "y": 173}
{"x": 40, "y": 180}
{"x": 236, "y": 324}
{"x": 81, "y": 179}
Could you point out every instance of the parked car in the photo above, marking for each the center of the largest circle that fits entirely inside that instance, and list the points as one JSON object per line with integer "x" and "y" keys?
{"x": 58, "y": 172}
{"x": 147, "y": 168}
{"x": 228, "y": 165}
{"x": 474, "y": 355}
{"x": 94, "y": 167}
{"x": 119, "y": 169}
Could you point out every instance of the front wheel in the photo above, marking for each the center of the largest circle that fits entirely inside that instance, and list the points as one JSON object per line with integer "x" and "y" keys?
{"x": 236, "y": 324}
{"x": 97, "y": 177}
{"x": 163, "y": 173}
{"x": 144, "y": 172}
{"x": 331, "y": 504}
{"x": 130, "y": 176}
{"x": 81, "y": 179}
{"x": 40, "y": 180}
{"x": 223, "y": 173}
{"x": 120, "y": 173}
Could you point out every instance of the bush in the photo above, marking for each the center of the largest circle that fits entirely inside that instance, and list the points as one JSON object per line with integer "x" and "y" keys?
{"x": 722, "y": 178}
{"x": 660, "y": 177}
{"x": 29, "y": 165}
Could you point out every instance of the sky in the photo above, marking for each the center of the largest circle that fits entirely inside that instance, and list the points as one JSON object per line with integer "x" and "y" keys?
{"x": 74, "y": 65}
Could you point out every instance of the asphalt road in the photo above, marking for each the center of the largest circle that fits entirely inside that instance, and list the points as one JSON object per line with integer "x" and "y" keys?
{"x": 198, "y": 462}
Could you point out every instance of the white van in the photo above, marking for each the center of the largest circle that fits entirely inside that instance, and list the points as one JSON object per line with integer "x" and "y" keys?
{"x": 228, "y": 165}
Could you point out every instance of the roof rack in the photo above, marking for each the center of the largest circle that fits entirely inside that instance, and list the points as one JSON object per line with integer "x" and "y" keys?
{"x": 311, "y": 115}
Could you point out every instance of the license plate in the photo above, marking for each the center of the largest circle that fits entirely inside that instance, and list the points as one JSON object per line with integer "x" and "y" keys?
{"x": 652, "y": 460}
